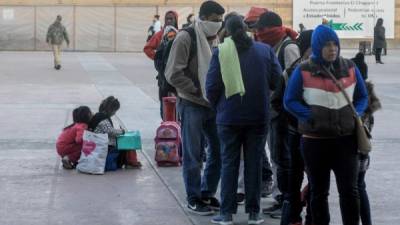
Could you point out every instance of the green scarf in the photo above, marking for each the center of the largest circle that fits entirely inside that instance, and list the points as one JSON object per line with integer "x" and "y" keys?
{"x": 230, "y": 68}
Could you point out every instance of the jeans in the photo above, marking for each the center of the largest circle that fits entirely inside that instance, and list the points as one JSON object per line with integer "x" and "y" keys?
{"x": 340, "y": 155}
{"x": 196, "y": 121}
{"x": 365, "y": 210}
{"x": 291, "y": 212}
{"x": 251, "y": 137}
{"x": 280, "y": 154}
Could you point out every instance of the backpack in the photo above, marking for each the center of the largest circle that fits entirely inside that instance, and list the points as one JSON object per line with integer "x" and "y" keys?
{"x": 291, "y": 120}
{"x": 161, "y": 59}
{"x": 281, "y": 52}
{"x": 168, "y": 144}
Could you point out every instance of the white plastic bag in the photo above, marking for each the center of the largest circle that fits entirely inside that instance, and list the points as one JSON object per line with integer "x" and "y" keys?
{"x": 94, "y": 153}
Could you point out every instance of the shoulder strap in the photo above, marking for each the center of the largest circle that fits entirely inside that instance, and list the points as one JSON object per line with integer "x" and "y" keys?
{"x": 340, "y": 86}
{"x": 281, "y": 52}
{"x": 289, "y": 71}
{"x": 193, "y": 43}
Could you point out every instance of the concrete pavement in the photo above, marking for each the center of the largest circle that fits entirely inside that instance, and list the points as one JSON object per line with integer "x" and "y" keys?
{"x": 36, "y": 102}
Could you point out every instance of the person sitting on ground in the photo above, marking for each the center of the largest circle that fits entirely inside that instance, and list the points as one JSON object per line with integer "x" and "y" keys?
{"x": 102, "y": 123}
{"x": 69, "y": 143}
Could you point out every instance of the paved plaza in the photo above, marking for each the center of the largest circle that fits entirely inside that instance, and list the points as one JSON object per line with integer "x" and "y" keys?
{"x": 36, "y": 103}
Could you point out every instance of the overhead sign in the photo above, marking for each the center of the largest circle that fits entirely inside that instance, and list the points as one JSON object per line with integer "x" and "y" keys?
{"x": 350, "y": 18}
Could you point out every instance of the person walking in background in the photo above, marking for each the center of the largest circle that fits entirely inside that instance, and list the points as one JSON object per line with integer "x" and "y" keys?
{"x": 239, "y": 80}
{"x": 189, "y": 21}
{"x": 301, "y": 28}
{"x": 157, "y": 23}
{"x": 327, "y": 124}
{"x": 56, "y": 34}
{"x": 379, "y": 40}
{"x": 151, "y": 30}
{"x": 186, "y": 71}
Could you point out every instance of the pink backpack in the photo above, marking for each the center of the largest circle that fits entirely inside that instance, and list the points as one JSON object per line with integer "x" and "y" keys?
{"x": 168, "y": 144}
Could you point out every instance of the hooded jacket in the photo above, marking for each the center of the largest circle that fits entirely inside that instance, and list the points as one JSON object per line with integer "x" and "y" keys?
{"x": 314, "y": 99}
{"x": 56, "y": 34}
{"x": 152, "y": 45}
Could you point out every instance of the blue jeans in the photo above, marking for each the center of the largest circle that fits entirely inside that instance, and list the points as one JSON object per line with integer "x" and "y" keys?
{"x": 251, "y": 137}
{"x": 196, "y": 121}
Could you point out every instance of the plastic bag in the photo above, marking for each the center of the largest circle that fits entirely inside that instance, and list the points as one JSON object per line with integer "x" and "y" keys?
{"x": 93, "y": 154}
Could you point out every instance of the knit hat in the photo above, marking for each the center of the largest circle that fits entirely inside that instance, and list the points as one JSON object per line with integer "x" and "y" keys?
{"x": 210, "y": 7}
{"x": 254, "y": 14}
{"x": 269, "y": 19}
{"x": 304, "y": 41}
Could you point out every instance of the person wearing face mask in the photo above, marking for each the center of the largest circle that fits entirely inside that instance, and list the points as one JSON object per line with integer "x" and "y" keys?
{"x": 171, "y": 19}
{"x": 186, "y": 70}
{"x": 327, "y": 124}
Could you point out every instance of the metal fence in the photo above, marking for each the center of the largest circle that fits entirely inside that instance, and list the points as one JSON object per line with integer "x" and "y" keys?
{"x": 91, "y": 28}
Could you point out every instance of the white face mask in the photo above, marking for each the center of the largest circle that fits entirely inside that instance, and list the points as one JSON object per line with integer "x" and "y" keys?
{"x": 210, "y": 28}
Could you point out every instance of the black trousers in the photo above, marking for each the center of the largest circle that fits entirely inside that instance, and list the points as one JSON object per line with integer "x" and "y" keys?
{"x": 321, "y": 156}
{"x": 378, "y": 53}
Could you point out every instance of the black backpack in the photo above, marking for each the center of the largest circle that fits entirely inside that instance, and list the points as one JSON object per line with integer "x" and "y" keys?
{"x": 281, "y": 53}
{"x": 161, "y": 58}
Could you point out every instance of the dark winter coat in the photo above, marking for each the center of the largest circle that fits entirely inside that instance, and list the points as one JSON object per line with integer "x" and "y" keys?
{"x": 379, "y": 37}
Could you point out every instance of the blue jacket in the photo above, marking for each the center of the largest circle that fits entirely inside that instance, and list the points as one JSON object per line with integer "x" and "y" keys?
{"x": 261, "y": 72}
{"x": 313, "y": 98}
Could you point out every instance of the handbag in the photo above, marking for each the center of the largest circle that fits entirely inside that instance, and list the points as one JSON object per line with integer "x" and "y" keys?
{"x": 362, "y": 131}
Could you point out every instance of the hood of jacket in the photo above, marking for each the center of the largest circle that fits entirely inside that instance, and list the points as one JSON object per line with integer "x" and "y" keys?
{"x": 321, "y": 35}
{"x": 176, "y": 17}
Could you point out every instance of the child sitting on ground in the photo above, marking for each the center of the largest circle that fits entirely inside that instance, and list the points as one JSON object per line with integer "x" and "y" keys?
{"x": 102, "y": 123}
{"x": 69, "y": 143}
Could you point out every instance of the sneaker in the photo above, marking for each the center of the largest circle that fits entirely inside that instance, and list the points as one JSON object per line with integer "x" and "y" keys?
{"x": 254, "y": 218}
{"x": 273, "y": 210}
{"x": 222, "y": 220}
{"x": 58, "y": 67}
{"x": 267, "y": 188}
{"x": 211, "y": 202}
{"x": 66, "y": 163}
{"x": 240, "y": 198}
{"x": 199, "y": 208}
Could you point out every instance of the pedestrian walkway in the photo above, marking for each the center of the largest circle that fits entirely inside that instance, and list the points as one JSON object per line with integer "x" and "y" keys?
{"x": 36, "y": 102}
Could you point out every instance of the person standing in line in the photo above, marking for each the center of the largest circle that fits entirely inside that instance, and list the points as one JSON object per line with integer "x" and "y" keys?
{"x": 267, "y": 187}
{"x": 271, "y": 31}
{"x": 187, "y": 73}
{"x": 56, "y": 34}
{"x": 379, "y": 40}
{"x": 150, "y": 48}
{"x": 327, "y": 124}
{"x": 239, "y": 80}
{"x": 189, "y": 20}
